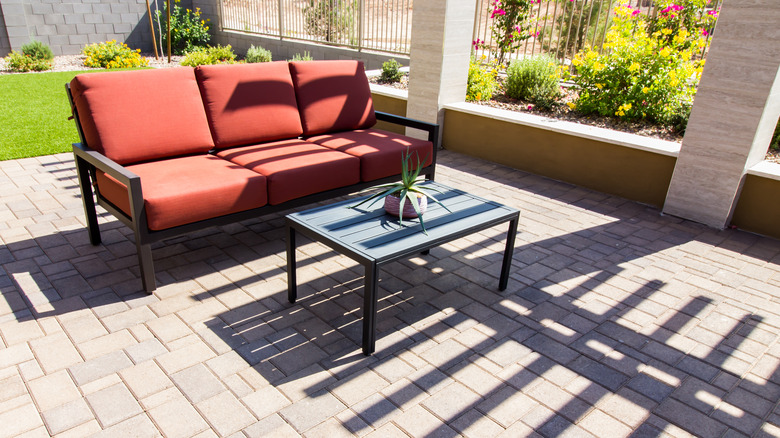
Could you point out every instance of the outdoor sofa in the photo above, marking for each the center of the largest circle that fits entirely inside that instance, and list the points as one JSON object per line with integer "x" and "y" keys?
{"x": 175, "y": 150}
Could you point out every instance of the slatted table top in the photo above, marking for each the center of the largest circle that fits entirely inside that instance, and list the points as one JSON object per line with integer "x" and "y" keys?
{"x": 367, "y": 233}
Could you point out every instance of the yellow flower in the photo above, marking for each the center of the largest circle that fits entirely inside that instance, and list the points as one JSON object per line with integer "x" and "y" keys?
{"x": 665, "y": 52}
{"x": 674, "y": 82}
{"x": 571, "y": 105}
{"x": 666, "y": 31}
{"x": 645, "y": 90}
{"x": 597, "y": 66}
{"x": 634, "y": 67}
{"x": 599, "y": 86}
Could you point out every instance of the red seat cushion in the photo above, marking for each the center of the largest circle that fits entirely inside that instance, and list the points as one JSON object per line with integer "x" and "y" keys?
{"x": 249, "y": 103}
{"x": 379, "y": 151}
{"x": 183, "y": 190}
{"x": 296, "y": 168}
{"x": 141, "y": 115}
{"x": 332, "y": 96}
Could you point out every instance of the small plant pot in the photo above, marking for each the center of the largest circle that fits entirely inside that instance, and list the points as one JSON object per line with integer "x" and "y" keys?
{"x": 393, "y": 203}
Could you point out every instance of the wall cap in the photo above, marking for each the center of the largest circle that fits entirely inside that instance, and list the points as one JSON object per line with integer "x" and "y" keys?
{"x": 766, "y": 169}
{"x": 634, "y": 141}
{"x": 389, "y": 91}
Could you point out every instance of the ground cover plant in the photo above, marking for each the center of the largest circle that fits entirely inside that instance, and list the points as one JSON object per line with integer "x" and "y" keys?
{"x": 258, "y": 54}
{"x": 34, "y": 115}
{"x": 209, "y": 55}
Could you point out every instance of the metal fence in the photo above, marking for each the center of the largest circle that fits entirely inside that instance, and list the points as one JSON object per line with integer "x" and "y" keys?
{"x": 563, "y": 27}
{"x": 379, "y": 25}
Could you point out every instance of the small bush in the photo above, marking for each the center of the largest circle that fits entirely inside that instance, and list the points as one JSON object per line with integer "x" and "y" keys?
{"x": 306, "y": 56}
{"x": 112, "y": 55}
{"x": 37, "y": 50}
{"x": 535, "y": 79}
{"x": 775, "y": 143}
{"x": 639, "y": 75}
{"x": 210, "y": 55}
{"x": 188, "y": 30}
{"x": 258, "y": 54}
{"x": 391, "y": 72}
{"x": 19, "y": 62}
{"x": 482, "y": 82}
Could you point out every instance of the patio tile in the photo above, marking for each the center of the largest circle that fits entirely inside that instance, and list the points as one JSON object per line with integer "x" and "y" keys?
{"x": 272, "y": 426}
{"x": 307, "y": 413}
{"x": 197, "y": 383}
{"x": 113, "y": 404}
{"x": 145, "y": 379}
{"x": 99, "y": 367}
{"x": 225, "y": 413}
{"x": 19, "y": 420}
{"x": 67, "y": 416}
{"x": 177, "y": 419}
{"x": 53, "y": 390}
{"x": 138, "y": 426}
{"x": 55, "y": 352}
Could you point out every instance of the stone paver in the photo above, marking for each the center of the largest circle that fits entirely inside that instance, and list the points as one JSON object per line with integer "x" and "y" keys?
{"x": 616, "y": 321}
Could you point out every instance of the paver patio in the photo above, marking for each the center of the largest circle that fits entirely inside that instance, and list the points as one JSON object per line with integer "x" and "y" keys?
{"x": 616, "y": 321}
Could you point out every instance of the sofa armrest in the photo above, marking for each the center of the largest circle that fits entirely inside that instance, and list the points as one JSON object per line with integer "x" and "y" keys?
{"x": 88, "y": 159}
{"x": 431, "y": 128}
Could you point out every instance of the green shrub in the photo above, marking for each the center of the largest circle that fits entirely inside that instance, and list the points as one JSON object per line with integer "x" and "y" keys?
{"x": 112, "y": 55}
{"x": 258, "y": 54}
{"x": 19, "y": 62}
{"x": 209, "y": 55}
{"x": 640, "y": 75}
{"x": 331, "y": 20}
{"x": 775, "y": 143}
{"x": 37, "y": 50}
{"x": 188, "y": 30}
{"x": 391, "y": 71}
{"x": 306, "y": 56}
{"x": 535, "y": 79}
{"x": 482, "y": 83}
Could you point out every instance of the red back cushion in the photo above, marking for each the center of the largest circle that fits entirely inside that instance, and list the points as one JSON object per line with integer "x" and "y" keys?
{"x": 249, "y": 103}
{"x": 141, "y": 115}
{"x": 332, "y": 96}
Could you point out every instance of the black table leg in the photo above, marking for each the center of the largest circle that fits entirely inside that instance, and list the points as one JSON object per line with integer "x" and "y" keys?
{"x": 508, "y": 253}
{"x": 369, "y": 309}
{"x": 292, "y": 285}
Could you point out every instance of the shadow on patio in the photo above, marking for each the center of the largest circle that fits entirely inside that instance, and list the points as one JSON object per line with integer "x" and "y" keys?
{"x": 616, "y": 321}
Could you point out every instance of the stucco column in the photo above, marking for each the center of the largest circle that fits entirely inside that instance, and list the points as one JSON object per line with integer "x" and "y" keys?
{"x": 734, "y": 115}
{"x": 439, "y": 56}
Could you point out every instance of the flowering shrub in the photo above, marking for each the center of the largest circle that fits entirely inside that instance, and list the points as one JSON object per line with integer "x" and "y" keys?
{"x": 112, "y": 55}
{"x": 38, "y": 50}
{"x": 684, "y": 23}
{"x": 483, "y": 82}
{"x": 511, "y": 26}
{"x": 209, "y": 55}
{"x": 536, "y": 80}
{"x": 188, "y": 30}
{"x": 642, "y": 74}
{"x": 20, "y": 62}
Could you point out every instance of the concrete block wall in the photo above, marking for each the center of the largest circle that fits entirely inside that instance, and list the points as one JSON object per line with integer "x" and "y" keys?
{"x": 68, "y": 25}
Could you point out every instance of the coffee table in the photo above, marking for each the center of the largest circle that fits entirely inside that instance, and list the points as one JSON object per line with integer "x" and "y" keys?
{"x": 372, "y": 238}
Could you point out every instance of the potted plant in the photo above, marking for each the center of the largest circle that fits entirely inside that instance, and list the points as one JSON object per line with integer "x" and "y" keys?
{"x": 408, "y": 189}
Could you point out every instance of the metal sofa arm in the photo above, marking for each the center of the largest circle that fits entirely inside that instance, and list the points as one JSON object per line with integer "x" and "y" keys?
{"x": 431, "y": 128}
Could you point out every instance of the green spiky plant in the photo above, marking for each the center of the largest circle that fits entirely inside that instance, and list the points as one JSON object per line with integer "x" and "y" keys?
{"x": 408, "y": 188}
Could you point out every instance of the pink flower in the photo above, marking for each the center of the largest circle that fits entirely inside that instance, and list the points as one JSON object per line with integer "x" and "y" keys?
{"x": 704, "y": 32}
{"x": 497, "y": 11}
{"x": 636, "y": 12}
{"x": 713, "y": 13}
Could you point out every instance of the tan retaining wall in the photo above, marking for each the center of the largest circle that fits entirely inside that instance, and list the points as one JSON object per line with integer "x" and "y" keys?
{"x": 632, "y": 173}
{"x": 758, "y": 208}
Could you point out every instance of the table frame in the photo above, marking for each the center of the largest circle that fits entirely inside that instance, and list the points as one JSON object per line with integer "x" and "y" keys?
{"x": 297, "y": 223}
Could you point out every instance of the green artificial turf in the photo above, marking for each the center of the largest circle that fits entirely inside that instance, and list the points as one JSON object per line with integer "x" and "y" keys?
{"x": 34, "y": 113}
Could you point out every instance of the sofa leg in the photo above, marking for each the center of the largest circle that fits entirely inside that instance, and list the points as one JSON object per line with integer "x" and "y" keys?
{"x": 88, "y": 200}
{"x": 146, "y": 263}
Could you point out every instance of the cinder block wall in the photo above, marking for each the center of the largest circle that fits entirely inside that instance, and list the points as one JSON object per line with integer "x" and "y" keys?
{"x": 67, "y": 26}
